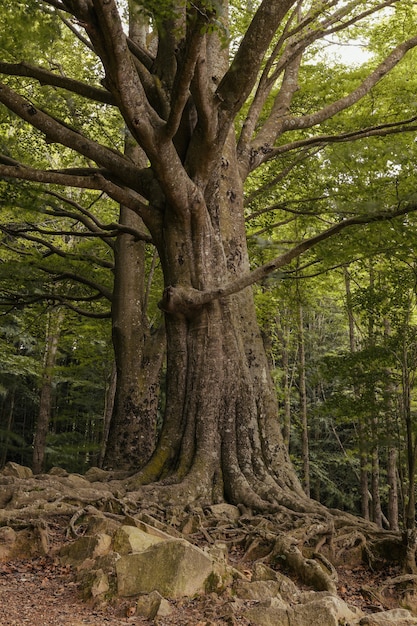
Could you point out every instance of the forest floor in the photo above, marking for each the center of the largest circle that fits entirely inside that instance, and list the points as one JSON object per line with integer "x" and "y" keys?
{"x": 41, "y": 591}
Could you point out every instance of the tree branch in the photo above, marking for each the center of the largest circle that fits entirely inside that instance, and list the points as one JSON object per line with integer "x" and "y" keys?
{"x": 264, "y": 139}
{"x": 122, "y": 195}
{"x": 45, "y": 77}
{"x": 183, "y": 79}
{"x": 240, "y": 79}
{"x": 184, "y": 300}
{"x": 381, "y": 130}
{"x": 59, "y": 132}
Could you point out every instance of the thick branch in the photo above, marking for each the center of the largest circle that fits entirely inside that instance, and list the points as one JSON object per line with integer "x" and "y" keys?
{"x": 183, "y": 78}
{"x": 82, "y": 280}
{"x": 59, "y": 132}
{"x": 240, "y": 79}
{"x": 122, "y": 195}
{"x": 45, "y": 77}
{"x": 381, "y": 130}
{"x": 122, "y": 79}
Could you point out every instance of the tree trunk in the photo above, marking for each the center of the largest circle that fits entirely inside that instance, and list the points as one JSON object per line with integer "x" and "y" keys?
{"x": 55, "y": 317}
{"x": 393, "y": 489}
{"x": 283, "y": 336}
{"x": 363, "y": 455}
{"x": 392, "y": 452}
{"x": 302, "y": 390}
{"x": 221, "y": 437}
{"x": 138, "y": 356}
{"x": 108, "y": 412}
{"x": 376, "y": 498}
{"x": 9, "y": 407}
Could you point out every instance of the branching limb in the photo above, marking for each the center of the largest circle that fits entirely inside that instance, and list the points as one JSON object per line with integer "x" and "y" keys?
{"x": 241, "y": 77}
{"x": 59, "y": 132}
{"x": 183, "y": 301}
{"x": 45, "y": 77}
{"x": 275, "y": 128}
{"x": 183, "y": 79}
{"x": 122, "y": 195}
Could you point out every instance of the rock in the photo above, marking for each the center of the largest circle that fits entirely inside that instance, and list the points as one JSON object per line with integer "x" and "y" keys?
{"x": 131, "y": 539}
{"x": 323, "y": 611}
{"x": 16, "y": 470}
{"x": 150, "y": 530}
{"x": 287, "y": 589}
{"x": 100, "y": 584}
{"x": 8, "y": 538}
{"x": 175, "y": 568}
{"x": 225, "y": 510}
{"x": 259, "y": 590}
{"x": 96, "y": 474}
{"x": 76, "y": 480}
{"x": 327, "y": 611}
{"x": 7, "y": 535}
{"x": 98, "y": 523}
{"x": 263, "y": 572}
{"x": 268, "y": 613}
{"x": 58, "y": 471}
{"x": 395, "y": 617}
{"x": 148, "y": 605}
{"x": 85, "y": 548}
{"x": 223, "y": 574}
{"x": 164, "y": 608}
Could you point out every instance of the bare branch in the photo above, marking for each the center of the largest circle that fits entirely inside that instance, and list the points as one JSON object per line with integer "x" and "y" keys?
{"x": 183, "y": 79}
{"x": 381, "y": 130}
{"x": 122, "y": 195}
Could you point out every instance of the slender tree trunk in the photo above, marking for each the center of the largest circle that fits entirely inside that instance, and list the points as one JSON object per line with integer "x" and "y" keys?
{"x": 376, "y": 498}
{"x": 283, "y": 336}
{"x": 393, "y": 489}
{"x": 411, "y": 445}
{"x": 138, "y": 355}
{"x": 8, "y": 425}
{"x": 363, "y": 454}
{"x": 392, "y": 452}
{"x": 108, "y": 411}
{"x": 55, "y": 318}
{"x": 302, "y": 390}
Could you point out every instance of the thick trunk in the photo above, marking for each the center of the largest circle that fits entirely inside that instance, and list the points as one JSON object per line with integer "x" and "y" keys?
{"x": 221, "y": 437}
{"x": 138, "y": 355}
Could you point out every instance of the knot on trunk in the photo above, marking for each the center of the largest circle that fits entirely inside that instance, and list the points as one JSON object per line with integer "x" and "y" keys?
{"x": 183, "y": 301}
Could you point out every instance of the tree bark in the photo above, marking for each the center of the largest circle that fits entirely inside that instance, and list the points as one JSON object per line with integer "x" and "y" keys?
{"x": 55, "y": 318}
{"x": 221, "y": 438}
{"x": 302, "y": 390}
{"x": 138, "y": 356}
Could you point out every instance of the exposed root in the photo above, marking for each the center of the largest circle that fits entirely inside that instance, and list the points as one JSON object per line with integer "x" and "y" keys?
{"x": 309, "y": 571}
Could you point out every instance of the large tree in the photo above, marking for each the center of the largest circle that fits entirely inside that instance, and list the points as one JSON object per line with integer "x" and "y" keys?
{"x": 207, "y": 108}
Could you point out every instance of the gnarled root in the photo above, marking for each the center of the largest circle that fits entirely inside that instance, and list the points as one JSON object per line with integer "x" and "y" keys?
{"x": 310, "y": 571}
